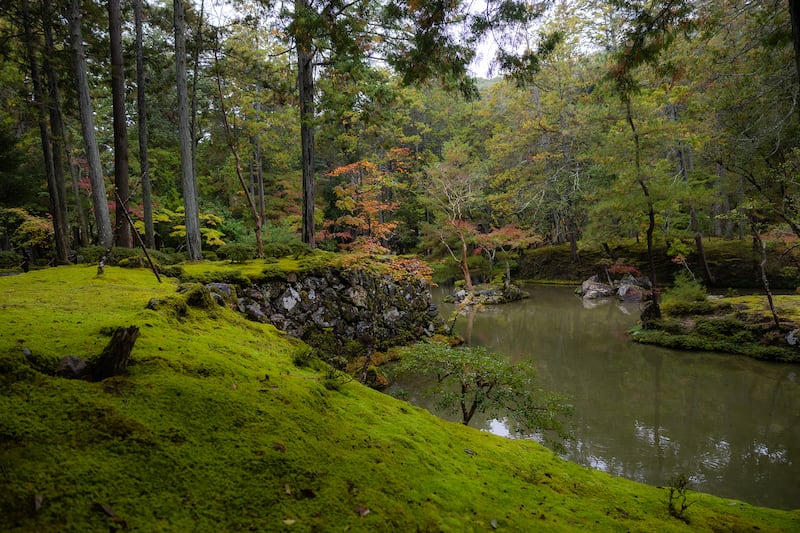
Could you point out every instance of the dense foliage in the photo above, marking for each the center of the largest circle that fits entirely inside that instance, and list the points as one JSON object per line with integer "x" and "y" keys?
{"x": 670, "y": 122}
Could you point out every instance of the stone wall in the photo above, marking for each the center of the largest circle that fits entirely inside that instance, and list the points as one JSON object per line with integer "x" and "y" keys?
{"x": 352, "y": 304}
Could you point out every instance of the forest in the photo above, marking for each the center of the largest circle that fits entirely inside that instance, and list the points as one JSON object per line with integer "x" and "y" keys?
{"x": 230, "y": 129}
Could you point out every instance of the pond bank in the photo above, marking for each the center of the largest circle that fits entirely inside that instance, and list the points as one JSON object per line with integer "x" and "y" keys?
{"x": 645, "y": 412}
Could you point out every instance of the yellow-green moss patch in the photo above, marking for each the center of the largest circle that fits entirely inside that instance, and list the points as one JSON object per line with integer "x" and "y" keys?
{"x": 215, "y": 429}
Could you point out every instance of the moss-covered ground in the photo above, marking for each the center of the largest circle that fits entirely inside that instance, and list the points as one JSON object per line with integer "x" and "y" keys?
{"x": 215, "y": 428}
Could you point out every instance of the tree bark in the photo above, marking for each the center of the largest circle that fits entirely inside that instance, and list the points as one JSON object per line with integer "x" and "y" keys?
{"x": 74, "y": 172}
{"x": 189, "y": 185}
{"x": 57, "y": 136}
{"x": 99, "y": 197}
{"x": 198, "y": 42}
{"x": 116, "y": 355}
{"x": 651, "y": 215}
{"x": 121, "y": 172}
{"x": 42, "y": 117}
{"x": 141, "y": 106}
{"x": 465, "y": 264}
{"x": 794, "y": 15}
{"x": 762, "y": 265}
{"x": 701, "y": 250}
{"x": 305, "y": 85}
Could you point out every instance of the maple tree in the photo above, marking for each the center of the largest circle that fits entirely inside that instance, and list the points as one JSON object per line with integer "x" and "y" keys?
{"x": 361, "y": 197}
{"x": 505, "y": 239}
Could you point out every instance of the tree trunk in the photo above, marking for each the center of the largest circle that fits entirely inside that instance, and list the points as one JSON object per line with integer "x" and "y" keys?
{"x": 762, "y": 247}
{"x": 305, "y": 85}
{"x": 794, "y": 15}
{"x": 59, "y": 192}
{"x": 74, "y": 172}
{"x": 651, "y": 215}
{"x": 141, "y": 106}
{"x": 198, "y": 41}
{"x": 42, "y": 116}
{"x": 701, "y": 251}
{"x": 254, "y": 211}
{"x": 99, "y": 198}
{"x": 121, "y": 179}
{"x": 465, "y": 265}
{"x": 189, "y": 185}
{"x": 116, "y": 355}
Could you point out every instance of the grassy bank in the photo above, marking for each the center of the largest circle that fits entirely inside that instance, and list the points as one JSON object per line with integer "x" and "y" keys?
{"x": 217, "y": 428}
{"x": 741, "y": 325}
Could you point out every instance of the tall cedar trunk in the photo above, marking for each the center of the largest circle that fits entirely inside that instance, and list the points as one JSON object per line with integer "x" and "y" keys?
{"x": 59, "y": 200}
{"x": 99, "y": 198}
{"x": 198, "y": 42}
{"x": 74, "y": 173}
{"x": 141, "y": 107}
{"x": 192, "y": 220}
{"x": 42, "y": 116}
{"x": 305, "y": 86}
{"x": 122, "y": 230}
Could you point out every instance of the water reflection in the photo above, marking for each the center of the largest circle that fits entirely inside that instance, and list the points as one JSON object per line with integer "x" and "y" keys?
{"x": 730, "y": 423}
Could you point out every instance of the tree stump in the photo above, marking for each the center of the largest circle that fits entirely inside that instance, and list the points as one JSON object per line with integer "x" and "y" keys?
{"x": 116, "y": 355}
{"x": 651, "y": 311}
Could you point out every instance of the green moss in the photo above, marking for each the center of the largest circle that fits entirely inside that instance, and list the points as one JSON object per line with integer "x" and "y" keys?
{"x": 215, "y": 429}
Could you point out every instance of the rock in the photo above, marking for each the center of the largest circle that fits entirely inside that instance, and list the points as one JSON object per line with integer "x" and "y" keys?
{"x": 348, "y": 303}
{"x": 224, "y": 289}
{"x": 254, "y": 313}
{"x": 72, "y": 367}
{"x": 792, "y": 337}
{"x": 592, "y": 288}
{"x": 630, "y": 293}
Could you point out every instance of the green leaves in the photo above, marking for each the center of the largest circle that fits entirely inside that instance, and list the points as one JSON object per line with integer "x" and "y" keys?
{"x": 472, "y": 379}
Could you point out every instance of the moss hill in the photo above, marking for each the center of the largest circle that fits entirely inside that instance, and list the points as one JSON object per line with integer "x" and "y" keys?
{"x": 216, "y": 428}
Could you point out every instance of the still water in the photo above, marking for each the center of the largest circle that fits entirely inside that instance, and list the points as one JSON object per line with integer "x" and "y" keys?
{"x": 730, "y": 423}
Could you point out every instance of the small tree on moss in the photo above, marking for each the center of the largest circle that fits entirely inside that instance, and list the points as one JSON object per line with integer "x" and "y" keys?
{"x": 506, "y": 239}
{"x": 471, "y": 380}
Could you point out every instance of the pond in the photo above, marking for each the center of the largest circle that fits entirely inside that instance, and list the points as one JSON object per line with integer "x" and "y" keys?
{"x": 730, "y": 423}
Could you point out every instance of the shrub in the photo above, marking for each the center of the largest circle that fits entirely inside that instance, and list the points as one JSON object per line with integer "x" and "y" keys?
{"x": 172, "y": 271}
{"x": 723, "y": 328}
{"x": 677, "y": 496}
{"x": 9, "y": 259}
{"x": 90, "y": 254}
{"x": 167, "y": 256}
{"x": 685, "y": 289}
{"x": 624, "y": 270}
{"x": 276, "y": 250}
{"x": 236, "y": 253}
{"x": 678, "y": 308}
{"x": 133, "y": 262}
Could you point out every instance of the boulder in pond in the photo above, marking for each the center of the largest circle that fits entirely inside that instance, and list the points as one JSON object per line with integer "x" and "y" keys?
{"x": 593, "y": 288}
